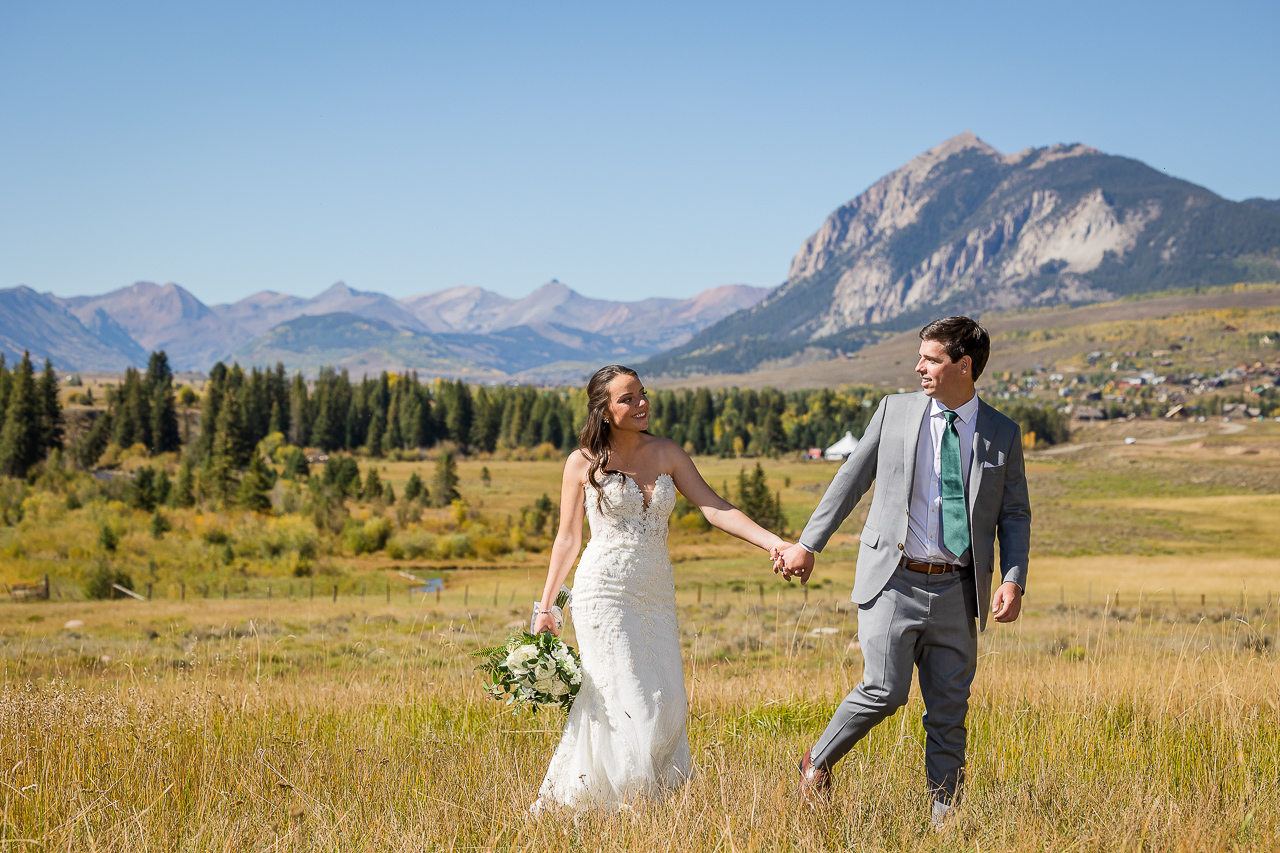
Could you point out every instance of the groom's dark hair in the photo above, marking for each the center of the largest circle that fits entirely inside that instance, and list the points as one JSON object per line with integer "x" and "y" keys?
{"x": 961, "y": 336}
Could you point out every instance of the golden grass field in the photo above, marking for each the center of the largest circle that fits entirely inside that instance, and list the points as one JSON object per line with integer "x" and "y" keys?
{"x": 1110, "y": 717}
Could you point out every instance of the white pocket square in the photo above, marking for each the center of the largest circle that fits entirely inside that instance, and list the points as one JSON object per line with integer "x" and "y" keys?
{"x": 992, "y": 464}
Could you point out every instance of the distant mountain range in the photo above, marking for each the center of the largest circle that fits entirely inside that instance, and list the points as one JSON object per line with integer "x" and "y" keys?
{"x": 552, "y": 334}
{"x": 961, "y": 228}
{"x": 965, "y": 228}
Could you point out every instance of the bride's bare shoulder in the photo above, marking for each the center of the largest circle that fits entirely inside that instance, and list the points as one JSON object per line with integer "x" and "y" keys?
{"x": 666, "y": 450}
{"x": 577, "y": 464}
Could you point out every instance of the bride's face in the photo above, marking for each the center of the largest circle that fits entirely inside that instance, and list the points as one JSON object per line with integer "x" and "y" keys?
{"x": 628, "y": 404}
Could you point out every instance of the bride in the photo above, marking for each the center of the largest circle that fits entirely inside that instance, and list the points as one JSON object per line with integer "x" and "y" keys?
{"x": 625, "y": 736}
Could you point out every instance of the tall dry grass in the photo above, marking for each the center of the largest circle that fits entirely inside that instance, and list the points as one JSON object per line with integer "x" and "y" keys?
{"x": 331, "y": 727}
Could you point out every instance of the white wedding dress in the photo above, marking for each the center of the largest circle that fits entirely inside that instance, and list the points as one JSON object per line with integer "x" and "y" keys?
{"x": 625, "y": 737}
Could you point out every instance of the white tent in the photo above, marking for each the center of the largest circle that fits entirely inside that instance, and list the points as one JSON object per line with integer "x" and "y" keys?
{"x": 842, "y": 448}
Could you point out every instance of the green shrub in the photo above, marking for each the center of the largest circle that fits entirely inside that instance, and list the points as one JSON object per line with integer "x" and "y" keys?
{"x": 159, "y": 525}
{"x": 108, "y": 538}
{"x": 368, "y": 537}
{"x": 98, "y": 584}
{"x": 415, "y": 545}
{"x": 215, "y": 536}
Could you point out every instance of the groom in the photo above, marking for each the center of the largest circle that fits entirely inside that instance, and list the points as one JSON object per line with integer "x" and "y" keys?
{"x": 949, "y": 480}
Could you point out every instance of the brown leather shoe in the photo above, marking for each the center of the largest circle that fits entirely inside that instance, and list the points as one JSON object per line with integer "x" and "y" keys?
{"x": 815, "y": 783}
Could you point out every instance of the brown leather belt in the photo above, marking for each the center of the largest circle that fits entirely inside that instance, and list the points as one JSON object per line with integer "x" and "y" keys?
{"x": 930, "y": 568}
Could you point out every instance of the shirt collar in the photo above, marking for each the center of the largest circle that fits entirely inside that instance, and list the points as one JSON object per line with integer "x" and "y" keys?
{"x": 965, "y": 413}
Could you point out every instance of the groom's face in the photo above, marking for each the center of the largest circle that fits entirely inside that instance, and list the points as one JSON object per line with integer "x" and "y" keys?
{"x": 940, "y": 377}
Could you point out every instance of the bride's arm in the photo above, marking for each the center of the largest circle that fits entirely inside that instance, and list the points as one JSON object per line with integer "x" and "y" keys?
{"x": 718, "y": 511}
{"x": 568, "y": 539}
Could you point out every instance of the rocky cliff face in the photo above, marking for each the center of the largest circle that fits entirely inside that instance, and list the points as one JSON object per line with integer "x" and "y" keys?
{"x": 964, "y": 227}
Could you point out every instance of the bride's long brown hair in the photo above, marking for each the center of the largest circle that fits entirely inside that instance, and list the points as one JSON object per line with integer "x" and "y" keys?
{"x": 594, "y": 437}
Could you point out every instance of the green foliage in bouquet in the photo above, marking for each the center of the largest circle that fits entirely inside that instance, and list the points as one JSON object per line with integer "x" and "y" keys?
{"x": 532, "y": 670}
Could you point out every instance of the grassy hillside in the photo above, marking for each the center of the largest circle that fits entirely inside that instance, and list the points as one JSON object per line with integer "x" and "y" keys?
{"x": 1059, "y": 339}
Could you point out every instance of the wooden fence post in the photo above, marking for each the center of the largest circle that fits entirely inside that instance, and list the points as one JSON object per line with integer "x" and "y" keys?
{"x": 335, "y": 593}
{"x": 699, "y": 593}
{"x": 182, "y": 590}
{"x": 148, "y": 590}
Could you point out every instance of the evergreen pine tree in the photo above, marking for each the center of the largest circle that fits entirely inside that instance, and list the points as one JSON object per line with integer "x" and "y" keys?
{"x": 759, "y": 504}
{"x": 6, "y": 379}
{"x": 227, "y": 450}
{"x": 210, "y": 405}
{"x": 299, "y": 413}
{"x": 163, "y": 408}
{"x": 254, "y": 487}
{"x": 372, "y": 486}
{"x": 373, "y": 437}
{"x": 275, "y": 423}
{"x": 141, "y": 493}
{"x": 414, "y": 489}
{"x": 393, "y": 438}
{"x": 184, "y": 494}
{"x": 228, "y": 433}
{"x": 20, "y": 436}
{"x": 295, "y": 464}
{"x": 51, "y": 428}
{"x": 460, "y": 413}
{"x": 89, "y": 448}
{"x": 159, "y": 524}
{"x": 444, "y": 487}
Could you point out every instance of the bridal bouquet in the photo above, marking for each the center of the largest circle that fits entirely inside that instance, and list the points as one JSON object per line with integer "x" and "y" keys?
{"x": 533, "y": 669}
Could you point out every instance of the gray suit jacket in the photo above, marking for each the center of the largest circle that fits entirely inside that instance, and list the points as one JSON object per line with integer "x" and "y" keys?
{"x": 996, "y": 492}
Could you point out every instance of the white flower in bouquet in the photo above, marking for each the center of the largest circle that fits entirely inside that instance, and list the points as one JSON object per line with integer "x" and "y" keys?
{"x": 521, "y": 656}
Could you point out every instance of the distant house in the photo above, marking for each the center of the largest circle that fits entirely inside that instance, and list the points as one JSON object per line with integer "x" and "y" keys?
{"x": 842, "y": 448}
{"x": 1088, "y": 413}
{"x": 814, "y": 453}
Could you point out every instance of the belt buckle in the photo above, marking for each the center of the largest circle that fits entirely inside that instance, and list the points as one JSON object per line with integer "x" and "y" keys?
{"x": 941, "y": 569}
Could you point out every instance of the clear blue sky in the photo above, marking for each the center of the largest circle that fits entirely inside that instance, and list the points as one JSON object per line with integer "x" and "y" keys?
{"x": 628, "y": 150}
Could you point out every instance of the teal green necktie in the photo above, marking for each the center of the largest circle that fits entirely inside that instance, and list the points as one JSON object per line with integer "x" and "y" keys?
{"x": 955, "y": 516}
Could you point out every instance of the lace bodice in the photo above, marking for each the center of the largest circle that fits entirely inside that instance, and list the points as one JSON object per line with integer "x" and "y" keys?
{"x": 620, "y": 516}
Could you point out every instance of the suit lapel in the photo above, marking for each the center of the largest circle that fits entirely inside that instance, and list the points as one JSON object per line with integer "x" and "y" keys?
{"x": 916, "y": 410}
{"x": 981, "y": 439}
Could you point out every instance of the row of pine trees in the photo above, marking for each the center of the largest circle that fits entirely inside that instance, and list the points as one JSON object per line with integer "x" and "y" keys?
{"x": 390, "y": 413}
{"x": 395, "y": 412}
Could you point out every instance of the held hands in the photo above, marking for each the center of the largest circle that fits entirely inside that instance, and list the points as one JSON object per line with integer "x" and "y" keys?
{"x": 793, "y": 561}
{"x": 1006, "y": 604}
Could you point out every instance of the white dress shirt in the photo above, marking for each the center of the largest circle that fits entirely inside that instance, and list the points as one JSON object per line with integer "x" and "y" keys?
{"x": 924, "y": 530}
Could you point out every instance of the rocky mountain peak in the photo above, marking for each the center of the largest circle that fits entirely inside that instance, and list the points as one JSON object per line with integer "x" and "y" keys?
{"x": 964, "y": 228}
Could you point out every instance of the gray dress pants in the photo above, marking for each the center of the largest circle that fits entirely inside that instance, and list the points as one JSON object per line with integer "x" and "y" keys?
{"x": 923, "y": 621}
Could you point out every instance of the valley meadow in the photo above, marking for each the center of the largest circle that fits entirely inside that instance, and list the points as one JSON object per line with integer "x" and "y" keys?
{"x": 279, "y": 693}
